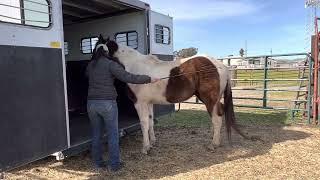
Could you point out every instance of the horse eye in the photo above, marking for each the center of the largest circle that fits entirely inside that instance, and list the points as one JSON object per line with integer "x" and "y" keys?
{"x": 122, "y": 51}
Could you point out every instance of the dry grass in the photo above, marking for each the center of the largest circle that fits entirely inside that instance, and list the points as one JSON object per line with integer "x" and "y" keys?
{"x": 289, "y": 152}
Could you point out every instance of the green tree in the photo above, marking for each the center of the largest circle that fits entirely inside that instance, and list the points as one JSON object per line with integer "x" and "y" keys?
{"x": 241, "y": 52}
{"x": 186, "y": 52}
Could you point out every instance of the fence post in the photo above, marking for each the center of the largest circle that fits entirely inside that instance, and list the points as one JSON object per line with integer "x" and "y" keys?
{"x": 233, "y": 76}
{"x": 309, "y": 103}
{"x": 265, "y": 82}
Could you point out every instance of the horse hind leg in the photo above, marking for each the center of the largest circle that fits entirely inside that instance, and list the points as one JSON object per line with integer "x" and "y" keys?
{"x": 216, "y": 114}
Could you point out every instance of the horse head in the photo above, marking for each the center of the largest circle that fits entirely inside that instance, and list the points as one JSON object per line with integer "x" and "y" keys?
{"x": 100, "y": 49}
{"x": 125, "y": 54}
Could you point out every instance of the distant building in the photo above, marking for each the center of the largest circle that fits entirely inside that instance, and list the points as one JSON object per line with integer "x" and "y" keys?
{"x": 250, "y": 62}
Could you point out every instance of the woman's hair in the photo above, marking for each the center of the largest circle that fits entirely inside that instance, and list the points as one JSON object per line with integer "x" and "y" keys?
{"x": 101, "y": 51}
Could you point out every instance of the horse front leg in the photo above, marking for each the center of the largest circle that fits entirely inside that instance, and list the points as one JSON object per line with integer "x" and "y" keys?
{"x": 151, "y": 124}
{"x": 143, "y": 113}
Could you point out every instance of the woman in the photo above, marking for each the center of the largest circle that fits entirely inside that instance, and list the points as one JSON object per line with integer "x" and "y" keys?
{"x": 102, "y": 107}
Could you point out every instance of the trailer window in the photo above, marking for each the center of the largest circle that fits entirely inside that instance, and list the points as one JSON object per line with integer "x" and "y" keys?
{"x": 162, "y": 34}
{"x": 26, "y": 12}
{"x": 128, "y": 39}
{"x": 88, "y": 44}
{"x": 66, "y": 48}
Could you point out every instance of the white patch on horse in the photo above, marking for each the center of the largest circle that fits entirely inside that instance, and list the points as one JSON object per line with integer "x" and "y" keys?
{"x": 151, "y": 125}
{"x": 216, "y": 123}
{"x": 143, "y": 113}
{"x": 223, "y": 74}
{"x": 150, "y": 65}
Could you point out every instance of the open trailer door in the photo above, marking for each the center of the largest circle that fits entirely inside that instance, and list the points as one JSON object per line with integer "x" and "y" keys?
{"x": 161, "y": 32}
{"x": 33, "y": 109}
{"x": 161, "y": 45}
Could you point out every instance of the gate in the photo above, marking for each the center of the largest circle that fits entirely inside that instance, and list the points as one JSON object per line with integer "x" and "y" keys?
{"x": 271, "y": 82}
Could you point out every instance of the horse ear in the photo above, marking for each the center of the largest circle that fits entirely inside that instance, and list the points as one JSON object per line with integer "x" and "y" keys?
{"x": 113, "y": 47}
{"x": 108, "y": 39}
{"x": 100, "y": 37}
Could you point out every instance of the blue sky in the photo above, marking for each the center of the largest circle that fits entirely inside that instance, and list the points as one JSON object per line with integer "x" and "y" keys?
{"x": 221, "y": 27}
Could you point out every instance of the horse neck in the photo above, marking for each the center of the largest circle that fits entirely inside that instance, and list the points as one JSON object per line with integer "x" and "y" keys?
{"x": 133, "y": 62}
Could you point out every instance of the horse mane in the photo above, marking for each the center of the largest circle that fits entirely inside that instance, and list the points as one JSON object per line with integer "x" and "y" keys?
{"x": 98, "y": 53}
{"x": 154, "y": 58}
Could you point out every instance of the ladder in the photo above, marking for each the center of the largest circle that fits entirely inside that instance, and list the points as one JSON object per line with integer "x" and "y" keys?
{"x": 302, "y": 95}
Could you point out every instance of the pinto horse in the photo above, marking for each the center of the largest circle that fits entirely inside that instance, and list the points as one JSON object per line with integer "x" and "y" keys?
{"x": 202, "y": 76}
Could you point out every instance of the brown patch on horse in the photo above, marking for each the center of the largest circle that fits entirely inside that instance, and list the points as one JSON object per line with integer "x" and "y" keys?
{"x": 180, "y": 88}
{"x": 201, "y": 79}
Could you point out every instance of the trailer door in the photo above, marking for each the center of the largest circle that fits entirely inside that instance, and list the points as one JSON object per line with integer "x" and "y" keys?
{"x": 161, "y": 31}
{"x": 32, "y": 91}
{"x": 161, "y": 45}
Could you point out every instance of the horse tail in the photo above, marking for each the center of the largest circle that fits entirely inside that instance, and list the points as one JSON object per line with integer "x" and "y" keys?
{"x": 230, "y": 115}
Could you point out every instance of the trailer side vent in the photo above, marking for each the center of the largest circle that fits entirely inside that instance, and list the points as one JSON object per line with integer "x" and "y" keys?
{"x": 88, "y": 44}
{"x": 129, "y": 38}
{"x": 26, "y": 12}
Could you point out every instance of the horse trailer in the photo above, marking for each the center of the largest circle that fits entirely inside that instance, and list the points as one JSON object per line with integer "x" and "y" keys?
{"x": 45, "y": 46}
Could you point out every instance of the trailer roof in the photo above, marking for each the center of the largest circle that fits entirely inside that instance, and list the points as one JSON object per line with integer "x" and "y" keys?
{"x": 79, "y": 10}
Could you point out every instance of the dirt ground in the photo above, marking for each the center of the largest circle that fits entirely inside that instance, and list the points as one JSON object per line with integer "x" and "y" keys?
{"x": 289, "y": 152}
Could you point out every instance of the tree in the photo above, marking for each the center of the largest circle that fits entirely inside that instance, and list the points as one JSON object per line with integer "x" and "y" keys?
{"x": 186, "y": 52}
{"x": 241, "y": 52}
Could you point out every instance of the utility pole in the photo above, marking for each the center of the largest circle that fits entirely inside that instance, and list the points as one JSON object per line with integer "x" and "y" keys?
{"x": 246, "y": 48}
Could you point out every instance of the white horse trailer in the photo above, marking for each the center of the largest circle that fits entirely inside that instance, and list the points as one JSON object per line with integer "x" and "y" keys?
{"x": 45, "y": 46}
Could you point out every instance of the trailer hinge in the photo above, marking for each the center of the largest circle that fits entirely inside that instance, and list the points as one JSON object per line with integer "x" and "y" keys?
{"x": 59, "y": 156}
{"x": 122, "y": 133}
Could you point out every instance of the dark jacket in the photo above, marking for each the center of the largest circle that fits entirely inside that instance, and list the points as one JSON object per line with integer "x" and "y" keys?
{"x": 101, "y": 76}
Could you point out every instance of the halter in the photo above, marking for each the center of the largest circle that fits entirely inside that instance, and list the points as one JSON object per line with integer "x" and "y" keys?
{"x": 104, "y": 47}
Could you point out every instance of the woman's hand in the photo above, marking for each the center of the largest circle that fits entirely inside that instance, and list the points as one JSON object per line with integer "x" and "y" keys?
{"x": 154, "y": 80}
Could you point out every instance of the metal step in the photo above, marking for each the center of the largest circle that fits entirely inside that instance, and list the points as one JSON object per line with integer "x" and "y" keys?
{"x": 300, "y": 95}
{"x": 300, "y": 102}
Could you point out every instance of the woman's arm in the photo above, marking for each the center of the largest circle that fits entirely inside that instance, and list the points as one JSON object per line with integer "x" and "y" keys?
{"x": 121, "y": 74}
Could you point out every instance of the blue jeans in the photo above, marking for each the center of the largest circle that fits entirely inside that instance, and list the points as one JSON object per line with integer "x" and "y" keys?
{"x": 104, "y": 113}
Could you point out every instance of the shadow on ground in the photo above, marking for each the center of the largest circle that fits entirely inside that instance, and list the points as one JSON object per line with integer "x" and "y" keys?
{"x": 182, "y": 147}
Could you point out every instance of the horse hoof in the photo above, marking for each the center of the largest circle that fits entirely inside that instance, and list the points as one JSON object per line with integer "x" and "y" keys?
{"x": 153, "y": 143}
{"x": 145, "y": 150}
{"x": 212, "y": 147}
